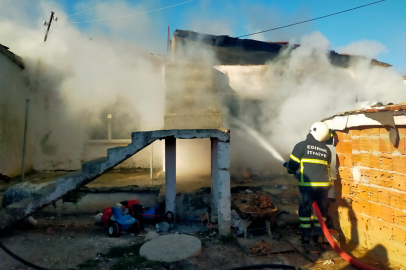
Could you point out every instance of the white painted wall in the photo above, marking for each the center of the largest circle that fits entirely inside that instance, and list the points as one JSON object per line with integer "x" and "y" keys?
{"x": 13, "y": 93}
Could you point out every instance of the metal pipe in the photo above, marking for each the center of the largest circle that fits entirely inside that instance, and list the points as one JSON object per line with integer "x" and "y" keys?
{"x": 27, "y": 102}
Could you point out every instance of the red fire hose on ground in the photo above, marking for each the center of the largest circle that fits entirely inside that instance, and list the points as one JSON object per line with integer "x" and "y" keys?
{"x": 334, "y": 245}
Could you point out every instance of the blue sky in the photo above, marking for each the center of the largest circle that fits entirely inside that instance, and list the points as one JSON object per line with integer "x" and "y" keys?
{"x": 384, "y": 22}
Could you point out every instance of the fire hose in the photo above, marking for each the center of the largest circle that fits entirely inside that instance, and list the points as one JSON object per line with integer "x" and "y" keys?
{"x": 334, "y": 245}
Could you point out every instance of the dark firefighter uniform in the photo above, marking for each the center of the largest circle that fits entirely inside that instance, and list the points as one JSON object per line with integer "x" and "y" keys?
{"x": 312, "y": 158}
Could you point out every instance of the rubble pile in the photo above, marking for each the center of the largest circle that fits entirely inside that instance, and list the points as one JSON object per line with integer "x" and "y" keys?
{"x": 253, "y": 203}
{"x": 263, "y": 201}
{"x": 261, "y": 247}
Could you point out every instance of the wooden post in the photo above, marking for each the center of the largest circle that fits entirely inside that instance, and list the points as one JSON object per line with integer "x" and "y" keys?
{"x": 49, "y": 25}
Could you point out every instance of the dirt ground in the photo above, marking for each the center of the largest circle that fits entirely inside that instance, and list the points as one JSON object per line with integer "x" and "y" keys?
{"x": 74, "y": 242}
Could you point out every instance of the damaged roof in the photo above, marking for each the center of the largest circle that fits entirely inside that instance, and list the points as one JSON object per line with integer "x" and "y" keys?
{"x": 13, "y": 57}
{"x": 235, "y": 51}
{"x": 376, "y": 115}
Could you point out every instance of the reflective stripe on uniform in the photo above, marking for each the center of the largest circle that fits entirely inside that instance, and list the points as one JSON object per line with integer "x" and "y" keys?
{"x": 304, "y": 219}
{"x": 315, "y": 218}
{"x": 317, "y": 225}
{"x": 314, "y": 184}
{"x": 295, "y": 158}
{"x": 318, "y": 161}
{"x": 304, "y": 225}
{"x": 328, "y": 169}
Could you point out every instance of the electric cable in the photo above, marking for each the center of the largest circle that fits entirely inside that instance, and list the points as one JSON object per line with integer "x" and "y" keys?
{"x": 129, "y": 15}
{"x": 86, "y": 9}
{"x": 21, "y": 260}
{"x": 318, "y": 18}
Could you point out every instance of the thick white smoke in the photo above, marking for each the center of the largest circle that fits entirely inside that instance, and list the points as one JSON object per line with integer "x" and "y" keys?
{"x": 302, "y": 87}
{"x": 85, "y": 71}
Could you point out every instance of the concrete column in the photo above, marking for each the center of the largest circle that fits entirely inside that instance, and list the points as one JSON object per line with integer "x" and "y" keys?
{"x": 170, "y": 174}
{"x": 214, "y": 180}
{"x": 224, "y": 192}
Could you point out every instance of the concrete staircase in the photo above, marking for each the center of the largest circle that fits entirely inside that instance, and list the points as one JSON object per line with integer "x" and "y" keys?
{"x": 53, "y": 191}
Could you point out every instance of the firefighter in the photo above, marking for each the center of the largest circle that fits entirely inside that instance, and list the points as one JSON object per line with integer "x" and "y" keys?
{"x": 312, "y": 158}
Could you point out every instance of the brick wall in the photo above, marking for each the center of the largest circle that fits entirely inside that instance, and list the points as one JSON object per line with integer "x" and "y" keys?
{"x": 371, "y": 190}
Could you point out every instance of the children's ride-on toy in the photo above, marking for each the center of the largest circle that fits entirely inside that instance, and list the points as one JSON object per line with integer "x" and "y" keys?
{"x": 120, "y": 222}
{"x": 116, "y": 219}
{"x": 152, "y": 216}
{"x": 130, "y": 216}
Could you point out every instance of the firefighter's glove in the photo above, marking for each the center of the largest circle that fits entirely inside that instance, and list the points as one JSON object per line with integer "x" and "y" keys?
{"x": 286, "y": 165}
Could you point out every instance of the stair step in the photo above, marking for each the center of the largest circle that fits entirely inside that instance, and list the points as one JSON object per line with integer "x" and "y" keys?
{"x": 95, "y": 167}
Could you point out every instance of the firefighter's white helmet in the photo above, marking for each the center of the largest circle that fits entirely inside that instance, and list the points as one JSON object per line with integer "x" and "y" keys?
{"x": 320, "y": 131}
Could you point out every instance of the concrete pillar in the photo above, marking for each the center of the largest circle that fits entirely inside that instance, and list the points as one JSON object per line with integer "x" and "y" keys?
{"x": 223, "y": 184}
{"x": 214, "y": 181}
{"x": 170, "y": 174}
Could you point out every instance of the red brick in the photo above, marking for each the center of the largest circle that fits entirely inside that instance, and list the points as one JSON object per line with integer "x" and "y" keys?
{"x": 373, "y": 194}
{"x": 381, "y": 229}
{"x": 375, "y": 161}
{"x": 355, "y": 144}
{"x": 354, "y": 190}
{"x": 344, "y": 160}
{"x": 385, "y": 145}
{"x": 345, "y": 174}
{"x": 386, "y": 179}
{"x": 375, "y": 210}
{"x": 346, "y": 187}
{"x": 384, "y": 130}
{"x": 387, "y": 214}
{"x": 343, "y": 135}
{"x": 365, "y": 174}
{"x": 401, "y": 129}
{"x": 404, "y": 202}
{"x": 399, "y": 164}
{"x": 363, "y": 223}
{"x": 356, "y": 160}
{"x": 356, "y": 206}
{"x": 401, "y": 147}
{"x": 375, "y": 176}
{"x": 344, "y": 147}
{"x": 399, "y": 217}
{"x": 355, "y": 132}
{"x": 399, "y": 181}
{"x": 365, "y": 160}
{"x": 386, "y": 162}
{"x": 363, "y": 192}
{"x": 373, "y": 131}
{"x": 365, "y": 207}
{"x": 395, "y": 199}
{"x": 373, "y": 144}
{"x": 399, "y": 235}
{"x": 364, "y": 143}
{"x": 383, "y": 196}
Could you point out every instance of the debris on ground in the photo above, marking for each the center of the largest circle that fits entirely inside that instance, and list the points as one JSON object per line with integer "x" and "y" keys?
{"x": 253, "y": 202}
{"x": 151, "y": 235}
{"x": 261, "y": 247}
{"x": 163, "y": 226}
{"x": 263, "y": 201}
{"x": 328, "y": 262}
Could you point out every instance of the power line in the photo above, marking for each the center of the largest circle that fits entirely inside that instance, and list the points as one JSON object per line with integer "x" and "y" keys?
{"x": 312, "y": 19}
{"x": 129, "y": 15}
{"x": 87, "y": 9}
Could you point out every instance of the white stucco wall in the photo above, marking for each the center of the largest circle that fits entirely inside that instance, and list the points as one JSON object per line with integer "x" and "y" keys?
{"x": 13, "y": 94}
